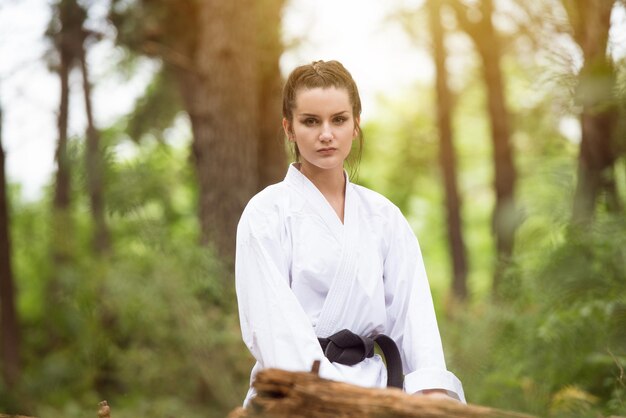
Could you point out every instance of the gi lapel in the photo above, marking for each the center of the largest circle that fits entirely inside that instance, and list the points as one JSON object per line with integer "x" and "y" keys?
{"x": 338, "y": 294}
{"x": 317, "y": 200}
{"x": 347, "y": 235}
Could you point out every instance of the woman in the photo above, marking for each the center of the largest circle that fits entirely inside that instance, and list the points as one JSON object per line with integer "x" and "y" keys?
{"x": 324, "y": 267}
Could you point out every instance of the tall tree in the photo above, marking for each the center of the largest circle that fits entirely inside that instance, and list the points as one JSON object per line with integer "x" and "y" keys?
{"x": 447, "y": 157}
{"x": 225, "y": 118}
{"x": 70, "y": 37}
{"x": 476, "y": 21}
{"x": 9, "y": 326}
{"x": 65, "y": 33}
{"x": 93, "y": 156}
{"x": 590, "y": 23}
{"x": 62, "y": 184}
{"x": 224, "y": 59}
{"x": 271, "y": 152}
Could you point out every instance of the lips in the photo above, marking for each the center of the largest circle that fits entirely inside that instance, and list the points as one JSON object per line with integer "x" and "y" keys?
{"x": 326, "y": 150}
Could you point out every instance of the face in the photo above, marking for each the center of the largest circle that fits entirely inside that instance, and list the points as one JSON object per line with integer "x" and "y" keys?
{"x": 323, "y": 127}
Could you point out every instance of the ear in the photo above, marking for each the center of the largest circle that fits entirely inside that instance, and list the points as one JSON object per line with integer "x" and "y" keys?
{"x": 357, "y": 128}
{"x": 288, "y": 130}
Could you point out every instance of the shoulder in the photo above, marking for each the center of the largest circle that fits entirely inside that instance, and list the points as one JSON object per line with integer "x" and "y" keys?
{"x": 375, "y": 204}
{"x": 268, "y": 199}
{"x": 266, "y": 211}
{"x": 383, "y": 216}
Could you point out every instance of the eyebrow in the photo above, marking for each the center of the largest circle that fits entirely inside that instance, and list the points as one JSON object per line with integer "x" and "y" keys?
{"x": 314, "y": 115}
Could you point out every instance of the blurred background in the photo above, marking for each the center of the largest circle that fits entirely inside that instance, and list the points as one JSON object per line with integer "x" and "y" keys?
{"x": 133, "y": 133}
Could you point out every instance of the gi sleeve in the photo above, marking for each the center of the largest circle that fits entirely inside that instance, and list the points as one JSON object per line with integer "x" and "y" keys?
{"x": 274, "y": 326}
{"x": 411, "y": 314}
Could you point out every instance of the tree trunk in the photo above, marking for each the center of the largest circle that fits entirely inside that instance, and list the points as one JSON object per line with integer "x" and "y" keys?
{"x": 223, "y": 104}
{"x": 595, "y": 164}
{"x": 504, "y": 216}
{"x": 65, "y": 30}
{"x": 9, "y": 327}
{"x": 62, "y": 228}
{"x": 591, "y": 23}
{"x": 271, "y": 152}
{"x": 94, "y": 166}
{"x": 447, "y": 157}
{"x": 504, "y": 219}
{"x": 225, "y": 64}
{"x": 62, "y": 184}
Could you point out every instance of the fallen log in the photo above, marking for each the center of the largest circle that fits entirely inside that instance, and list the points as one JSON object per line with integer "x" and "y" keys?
{"x": 282, "y": 394}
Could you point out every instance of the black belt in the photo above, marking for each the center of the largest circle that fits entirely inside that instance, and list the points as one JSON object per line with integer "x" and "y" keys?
{"x": 346, "y": 347}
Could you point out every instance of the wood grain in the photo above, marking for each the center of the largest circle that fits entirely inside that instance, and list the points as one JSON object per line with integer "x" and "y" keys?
{"x": 282, "y": 394}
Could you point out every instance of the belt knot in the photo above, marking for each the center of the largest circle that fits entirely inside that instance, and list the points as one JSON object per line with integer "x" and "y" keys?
{"x": 346, "y": 347}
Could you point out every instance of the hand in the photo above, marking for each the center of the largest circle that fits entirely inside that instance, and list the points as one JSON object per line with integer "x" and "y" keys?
{"x": 438, "y": 394}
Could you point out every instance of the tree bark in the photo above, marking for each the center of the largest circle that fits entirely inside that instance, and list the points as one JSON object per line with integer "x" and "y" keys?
{"x": 447, "y": 157}
{"x": 61, "y": 199}
{"x": 305, "y": 395}
{"x": 271, "y": 152}
{"x": 94, "y": 165}
{"x": 64, "y": 31}
{"x": 9, "y": 326}
{"x": 222, "y": 100}
{"x": 590, "y": 22}
{"x": 61, "y": 223}
{"x": 504, "y": 219}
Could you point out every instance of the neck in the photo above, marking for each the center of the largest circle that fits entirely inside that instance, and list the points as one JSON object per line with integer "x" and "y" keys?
{"x": 329, "y": 182}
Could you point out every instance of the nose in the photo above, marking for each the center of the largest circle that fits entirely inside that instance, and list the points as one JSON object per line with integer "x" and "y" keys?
{"x": 326, "y": 134}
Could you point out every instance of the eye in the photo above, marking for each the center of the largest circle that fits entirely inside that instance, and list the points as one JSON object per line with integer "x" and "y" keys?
{"x": 340, "y": 120}
{"x": 309, "y": 122}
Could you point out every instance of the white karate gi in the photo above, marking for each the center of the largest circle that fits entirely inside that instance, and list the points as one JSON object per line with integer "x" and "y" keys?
{"x": 302, "y": 274}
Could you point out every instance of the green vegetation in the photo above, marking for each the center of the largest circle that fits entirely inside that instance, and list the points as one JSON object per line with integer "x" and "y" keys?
{"x": 152, "y": 325}
{"x": 152, "y": 328}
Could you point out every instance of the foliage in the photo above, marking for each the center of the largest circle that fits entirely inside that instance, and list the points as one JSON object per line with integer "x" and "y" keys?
{"x": 560, "y": 347}
{"x": 156, "y": 110}
{"x": 556, "y": 347}
{"x": 153, "y": 328}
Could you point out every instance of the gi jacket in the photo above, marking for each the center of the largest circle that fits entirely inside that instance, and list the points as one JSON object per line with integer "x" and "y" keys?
{"x": 302, "y": 274}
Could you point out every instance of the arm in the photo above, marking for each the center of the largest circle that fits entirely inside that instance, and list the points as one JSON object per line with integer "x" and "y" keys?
{"x": 274, "y": 326}
{"x": 411, "y": 315}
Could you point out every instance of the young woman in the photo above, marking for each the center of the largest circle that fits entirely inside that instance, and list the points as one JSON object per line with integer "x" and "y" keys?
{"x": 325, "y": 267}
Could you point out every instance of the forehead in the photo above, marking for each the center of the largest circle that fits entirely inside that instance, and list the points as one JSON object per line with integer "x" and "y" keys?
{"x": 322, "y": 100}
